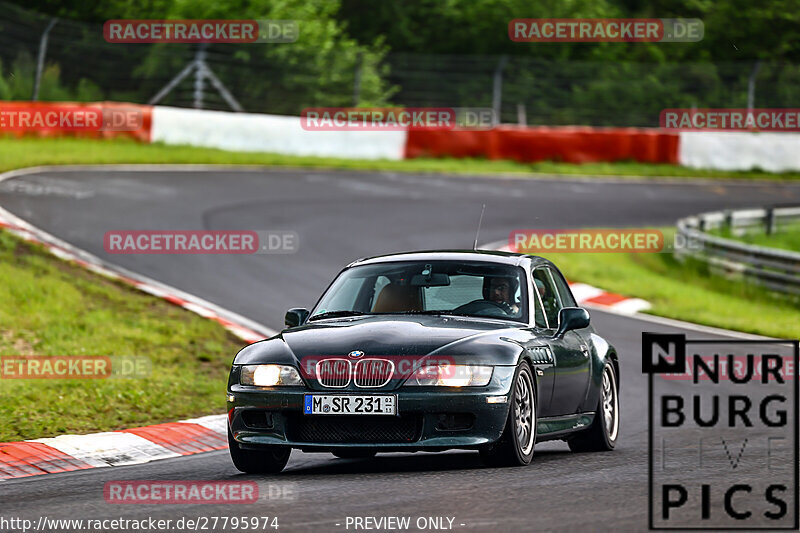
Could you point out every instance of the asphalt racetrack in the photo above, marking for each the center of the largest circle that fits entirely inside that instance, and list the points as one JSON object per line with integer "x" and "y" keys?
{"x": 339, "y": 217}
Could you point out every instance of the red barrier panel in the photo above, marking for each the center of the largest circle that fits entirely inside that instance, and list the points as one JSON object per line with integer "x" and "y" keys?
{"x": 567, "y": 144}
{"x": 75, "y": 119}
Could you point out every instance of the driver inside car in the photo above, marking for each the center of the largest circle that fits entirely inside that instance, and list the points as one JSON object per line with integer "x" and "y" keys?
{"x": 501, "y": 290}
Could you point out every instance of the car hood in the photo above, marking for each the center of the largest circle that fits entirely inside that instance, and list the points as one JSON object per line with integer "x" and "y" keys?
{"x": 391, "y": 336}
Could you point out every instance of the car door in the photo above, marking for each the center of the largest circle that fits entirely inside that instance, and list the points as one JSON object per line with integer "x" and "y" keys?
{"x": 570, "y": 351}
{"x": 541, "y": 355}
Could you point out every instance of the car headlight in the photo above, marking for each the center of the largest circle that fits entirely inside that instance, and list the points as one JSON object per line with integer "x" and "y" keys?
{"x": 269, "y": 375}
{"x": 447, "y": 375}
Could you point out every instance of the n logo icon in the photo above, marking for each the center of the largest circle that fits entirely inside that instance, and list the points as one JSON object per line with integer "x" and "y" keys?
{"x": 663, "y": 353}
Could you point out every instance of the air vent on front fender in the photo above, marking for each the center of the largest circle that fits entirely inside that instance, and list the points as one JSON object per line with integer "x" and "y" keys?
{"x": 541, "y": 354}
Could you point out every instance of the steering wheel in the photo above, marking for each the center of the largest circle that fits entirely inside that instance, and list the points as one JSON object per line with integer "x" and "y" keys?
{"x": 485, "y": 307}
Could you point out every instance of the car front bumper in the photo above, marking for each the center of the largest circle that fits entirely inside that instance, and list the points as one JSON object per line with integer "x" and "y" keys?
{"x": 428, "y": 418}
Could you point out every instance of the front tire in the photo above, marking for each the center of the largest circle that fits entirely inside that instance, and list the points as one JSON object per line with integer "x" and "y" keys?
{"x": 602, "y": 434}
{"x": 515, "y": 446}
{"x": 270, "y": 460}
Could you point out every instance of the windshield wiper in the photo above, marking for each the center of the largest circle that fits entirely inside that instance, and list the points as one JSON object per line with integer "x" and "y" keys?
{"x": 336, "y": 314}
{"x": 435, "y": 313}
{"x": 451, "y": 313}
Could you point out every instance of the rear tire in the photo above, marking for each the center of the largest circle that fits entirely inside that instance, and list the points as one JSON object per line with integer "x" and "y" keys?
{"x": 515, "y": 446}
{"x": 354, "y": 453}
{"x": 602, "y": 434}
{"x": 269, "y": 460}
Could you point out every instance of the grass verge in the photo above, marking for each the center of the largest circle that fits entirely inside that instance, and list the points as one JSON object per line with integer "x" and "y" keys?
{"x": 51, "y": 307}
{"x": 686, "y": 291}
{"x": 26, "y": 152}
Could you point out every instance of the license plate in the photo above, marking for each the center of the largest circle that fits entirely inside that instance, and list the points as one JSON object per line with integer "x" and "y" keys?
{"x": 341, "y": 404}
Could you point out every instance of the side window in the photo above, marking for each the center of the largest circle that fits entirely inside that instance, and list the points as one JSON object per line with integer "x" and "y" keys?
{"x": 536, "y": 301}
{"x": 550, "y": 298}
{"x": 563, "y": 289}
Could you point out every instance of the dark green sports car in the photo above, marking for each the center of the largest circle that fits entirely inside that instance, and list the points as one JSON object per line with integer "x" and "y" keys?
{"x": 428, "y": 351}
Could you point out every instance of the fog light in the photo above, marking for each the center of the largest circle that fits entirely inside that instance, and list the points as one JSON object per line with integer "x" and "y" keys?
{"x": 454, "y": 421}
{"x": 231, "y": 398}
{"x": 496, "y": 399}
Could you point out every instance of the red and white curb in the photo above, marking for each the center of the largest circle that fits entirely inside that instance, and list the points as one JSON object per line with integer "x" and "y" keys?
{"x": 131, "y": 446}
{"x": 66, "y": 453}
{"x": 589, "y": 296}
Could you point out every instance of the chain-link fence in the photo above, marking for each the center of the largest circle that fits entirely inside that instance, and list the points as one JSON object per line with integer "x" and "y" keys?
{"x": 531, "y": 91}
{"x": 79, "y": 64}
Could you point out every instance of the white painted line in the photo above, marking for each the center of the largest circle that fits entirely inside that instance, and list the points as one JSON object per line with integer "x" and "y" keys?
{"x": 61, "y": 254}
{"x": 198, "y": 309}
{"x": 631, "y": 306}
{"x": 645, "y": 181}
{"x": 103, "y": 271}
{"x": 149, "y": 289}
{"x": 109, "y": 449}
{"x": 242, "y": 333}
{"x": 671, "y": 322}
{"x": 216, "y": 423}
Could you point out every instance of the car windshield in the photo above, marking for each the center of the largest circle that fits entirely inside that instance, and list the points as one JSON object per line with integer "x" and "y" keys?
{"x": 466, "y": 288}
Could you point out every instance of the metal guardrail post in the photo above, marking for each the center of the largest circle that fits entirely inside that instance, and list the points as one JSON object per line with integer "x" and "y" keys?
{"x": 357, "y": 78}
{"x": 40, "y": 60}
{"x": 751, "y": 85}
{"x": 770, "y": 220}
{"x": 199, "y": 75}
{"x": 522, "y": 116}
{"x": 497, "y": 88}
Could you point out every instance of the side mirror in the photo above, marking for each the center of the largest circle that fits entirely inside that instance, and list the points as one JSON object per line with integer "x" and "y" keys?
{"x": 295, "y": 316}
{"x": 570, "y": 318}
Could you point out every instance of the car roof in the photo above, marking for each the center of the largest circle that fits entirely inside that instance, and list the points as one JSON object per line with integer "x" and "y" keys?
{"x": 488, "y": 256}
